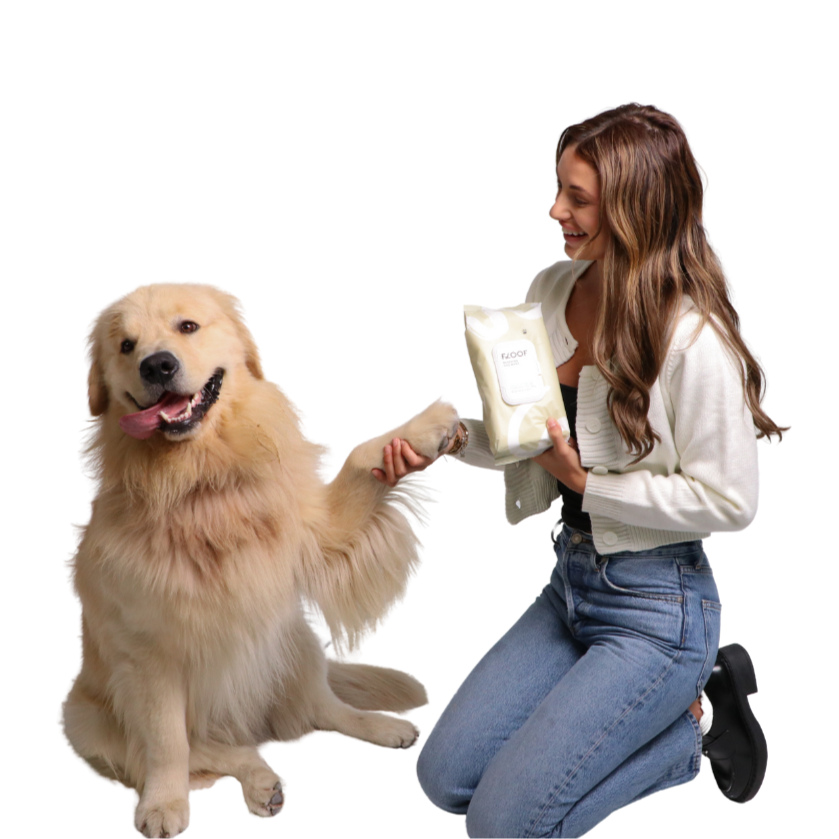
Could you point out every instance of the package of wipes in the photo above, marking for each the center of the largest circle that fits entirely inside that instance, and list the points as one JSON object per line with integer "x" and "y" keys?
{"x": 514, "y": 367}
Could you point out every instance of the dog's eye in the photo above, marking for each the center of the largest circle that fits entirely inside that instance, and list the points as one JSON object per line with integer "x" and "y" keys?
{"x": 126, "y": 347}
{"x": 188, "y": 326}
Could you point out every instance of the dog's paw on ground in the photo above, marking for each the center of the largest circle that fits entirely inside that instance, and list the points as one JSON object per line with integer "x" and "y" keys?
{"x": 430, "y": 432}
{"x": 395, "y": 734}
{"x": 263, "y": 792}
{"x": 162, "y": 819}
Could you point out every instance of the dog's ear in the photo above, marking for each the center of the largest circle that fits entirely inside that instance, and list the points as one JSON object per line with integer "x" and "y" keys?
{"x": 233, "y": 310}
{"x": 252, "y": 361}
{"x": 97, "y": 390}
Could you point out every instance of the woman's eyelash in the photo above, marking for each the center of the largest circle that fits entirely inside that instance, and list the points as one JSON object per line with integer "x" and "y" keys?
{"x": 577, "y": 200}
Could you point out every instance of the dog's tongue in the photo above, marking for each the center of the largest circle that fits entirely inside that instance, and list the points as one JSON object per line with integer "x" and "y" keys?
{"x": 144, "y": 423}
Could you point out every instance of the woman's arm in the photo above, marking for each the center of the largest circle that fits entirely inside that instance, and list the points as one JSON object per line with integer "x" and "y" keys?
{"x": 477, "y": 451}
{"x": 399, "y": 459}
{"x": 562, "y": 460}
{"x": 716, "y": 487}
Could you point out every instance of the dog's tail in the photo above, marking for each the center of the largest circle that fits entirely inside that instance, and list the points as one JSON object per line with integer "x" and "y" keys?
{"x": 371, "y": 688}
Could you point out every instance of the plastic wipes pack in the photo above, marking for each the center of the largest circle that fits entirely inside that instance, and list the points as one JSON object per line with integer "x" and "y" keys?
{"x": 514, "y": 367}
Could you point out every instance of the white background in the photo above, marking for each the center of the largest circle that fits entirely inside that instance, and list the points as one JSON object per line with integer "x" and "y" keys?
{"x": 355, "y": 173}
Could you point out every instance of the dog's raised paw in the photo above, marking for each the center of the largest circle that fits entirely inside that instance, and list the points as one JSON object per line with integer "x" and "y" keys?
{"x": 157, "y": 820}
{"x": 431, "y": 431}
{"x": 263, "y": 793}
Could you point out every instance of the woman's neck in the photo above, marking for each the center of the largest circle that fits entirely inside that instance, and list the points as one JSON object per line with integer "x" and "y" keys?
{"x": 592, "y": 277}
{"x": 587, "y": 290}
{"x": 580, "y": 316}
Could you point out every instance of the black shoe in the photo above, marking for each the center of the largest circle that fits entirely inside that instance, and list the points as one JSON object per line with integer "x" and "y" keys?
{"x": 735, "y": 744}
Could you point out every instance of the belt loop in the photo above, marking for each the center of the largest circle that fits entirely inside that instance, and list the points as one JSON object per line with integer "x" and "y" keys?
{"x": 553, "y": 538}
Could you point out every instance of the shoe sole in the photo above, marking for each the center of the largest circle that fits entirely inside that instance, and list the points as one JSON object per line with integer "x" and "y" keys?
{"x": 741, "y": 673}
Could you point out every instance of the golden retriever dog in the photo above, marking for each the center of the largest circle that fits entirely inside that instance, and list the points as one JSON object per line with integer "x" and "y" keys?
{"x": 210, "y": 530}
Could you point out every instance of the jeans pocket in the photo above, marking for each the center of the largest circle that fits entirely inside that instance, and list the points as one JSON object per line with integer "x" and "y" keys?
{"x": 711, "y": 618}
{"x": 652, "y": 578}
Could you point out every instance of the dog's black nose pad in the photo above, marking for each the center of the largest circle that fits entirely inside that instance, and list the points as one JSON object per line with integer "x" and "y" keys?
{"x": 159, "y": 368}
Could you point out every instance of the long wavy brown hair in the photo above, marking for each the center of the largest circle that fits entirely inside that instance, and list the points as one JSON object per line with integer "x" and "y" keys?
{"x": 651, "y": 200}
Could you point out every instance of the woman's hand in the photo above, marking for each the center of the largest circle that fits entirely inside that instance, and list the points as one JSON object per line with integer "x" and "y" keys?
{"x": 400, "y": 460}
{"x": 563, "y": 460}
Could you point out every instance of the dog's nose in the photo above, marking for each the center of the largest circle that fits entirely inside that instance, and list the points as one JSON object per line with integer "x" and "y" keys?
{"x": 159, "y": 368}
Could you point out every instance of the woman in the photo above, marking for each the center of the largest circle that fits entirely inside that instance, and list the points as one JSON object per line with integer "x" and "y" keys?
{"x": 591, "y": 700}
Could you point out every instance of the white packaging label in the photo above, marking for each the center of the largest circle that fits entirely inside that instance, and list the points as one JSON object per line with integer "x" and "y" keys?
{"x": 519, "y": 376}
{"x": 514, "y": 368}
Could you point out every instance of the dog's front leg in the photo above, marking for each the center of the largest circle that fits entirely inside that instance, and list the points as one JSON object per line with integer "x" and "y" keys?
{"x": 353, "y": 495}
{"x": 158, "y": 718}
{"x": 364, "y": 547}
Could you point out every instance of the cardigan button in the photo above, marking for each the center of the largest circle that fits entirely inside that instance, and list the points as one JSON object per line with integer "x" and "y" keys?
{"x": 599, "y": 470}
{"x": 593, "y": 425}
{"x": 610, "y": 538}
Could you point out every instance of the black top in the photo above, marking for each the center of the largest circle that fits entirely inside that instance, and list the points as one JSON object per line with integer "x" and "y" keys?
{"x": 572, "y": 502}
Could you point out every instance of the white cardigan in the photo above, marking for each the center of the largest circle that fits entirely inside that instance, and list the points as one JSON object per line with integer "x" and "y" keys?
{"x": 701, "y": 477}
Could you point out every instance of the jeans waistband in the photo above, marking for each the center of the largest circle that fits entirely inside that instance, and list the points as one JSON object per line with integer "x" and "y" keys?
{"x": 682, "y": 552}
{"x": 573, "y": 534}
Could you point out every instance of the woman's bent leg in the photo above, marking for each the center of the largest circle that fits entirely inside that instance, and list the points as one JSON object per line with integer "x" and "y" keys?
{"x": 605, "y": 709}
{"x": 614, "y": 728}
{"x": 666, "y": 761}
{"x": 495, "y": 700}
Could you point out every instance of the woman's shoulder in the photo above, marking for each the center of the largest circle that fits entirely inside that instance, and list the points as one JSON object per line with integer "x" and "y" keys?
{"x": 554, "y": 279}
{"x": 698, "y": 337}
{"x": 691, "y": 328}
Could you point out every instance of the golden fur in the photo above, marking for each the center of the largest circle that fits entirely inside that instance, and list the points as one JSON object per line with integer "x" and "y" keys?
{"x": 200, "y": 550}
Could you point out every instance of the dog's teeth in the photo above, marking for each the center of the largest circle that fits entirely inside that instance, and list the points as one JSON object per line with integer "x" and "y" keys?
{"x": 179, "y": 418}
{"x": 200, "y": 397}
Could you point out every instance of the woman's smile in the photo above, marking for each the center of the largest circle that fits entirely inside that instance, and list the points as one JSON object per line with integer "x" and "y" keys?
{"x": 575, "y": 237}
{"x": 577, "y": 206}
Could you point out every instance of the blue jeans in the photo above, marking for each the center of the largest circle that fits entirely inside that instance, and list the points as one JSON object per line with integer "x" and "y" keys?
{"x": 581, "y": 707}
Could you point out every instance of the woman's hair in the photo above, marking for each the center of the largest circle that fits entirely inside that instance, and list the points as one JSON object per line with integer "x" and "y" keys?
{"x": 651, "y": 201}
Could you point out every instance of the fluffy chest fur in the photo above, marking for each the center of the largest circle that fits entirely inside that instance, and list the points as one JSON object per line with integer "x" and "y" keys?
{"x": 219, "y": 557}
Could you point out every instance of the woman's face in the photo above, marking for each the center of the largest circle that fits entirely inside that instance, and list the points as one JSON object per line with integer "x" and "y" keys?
{"x": 577, "y": 206}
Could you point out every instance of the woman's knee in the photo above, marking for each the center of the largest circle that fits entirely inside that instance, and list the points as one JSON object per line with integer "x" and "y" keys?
{"x": 491, "y": 816}
{"x": 446, "y": 778}
{"x": 443, "y": 777}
